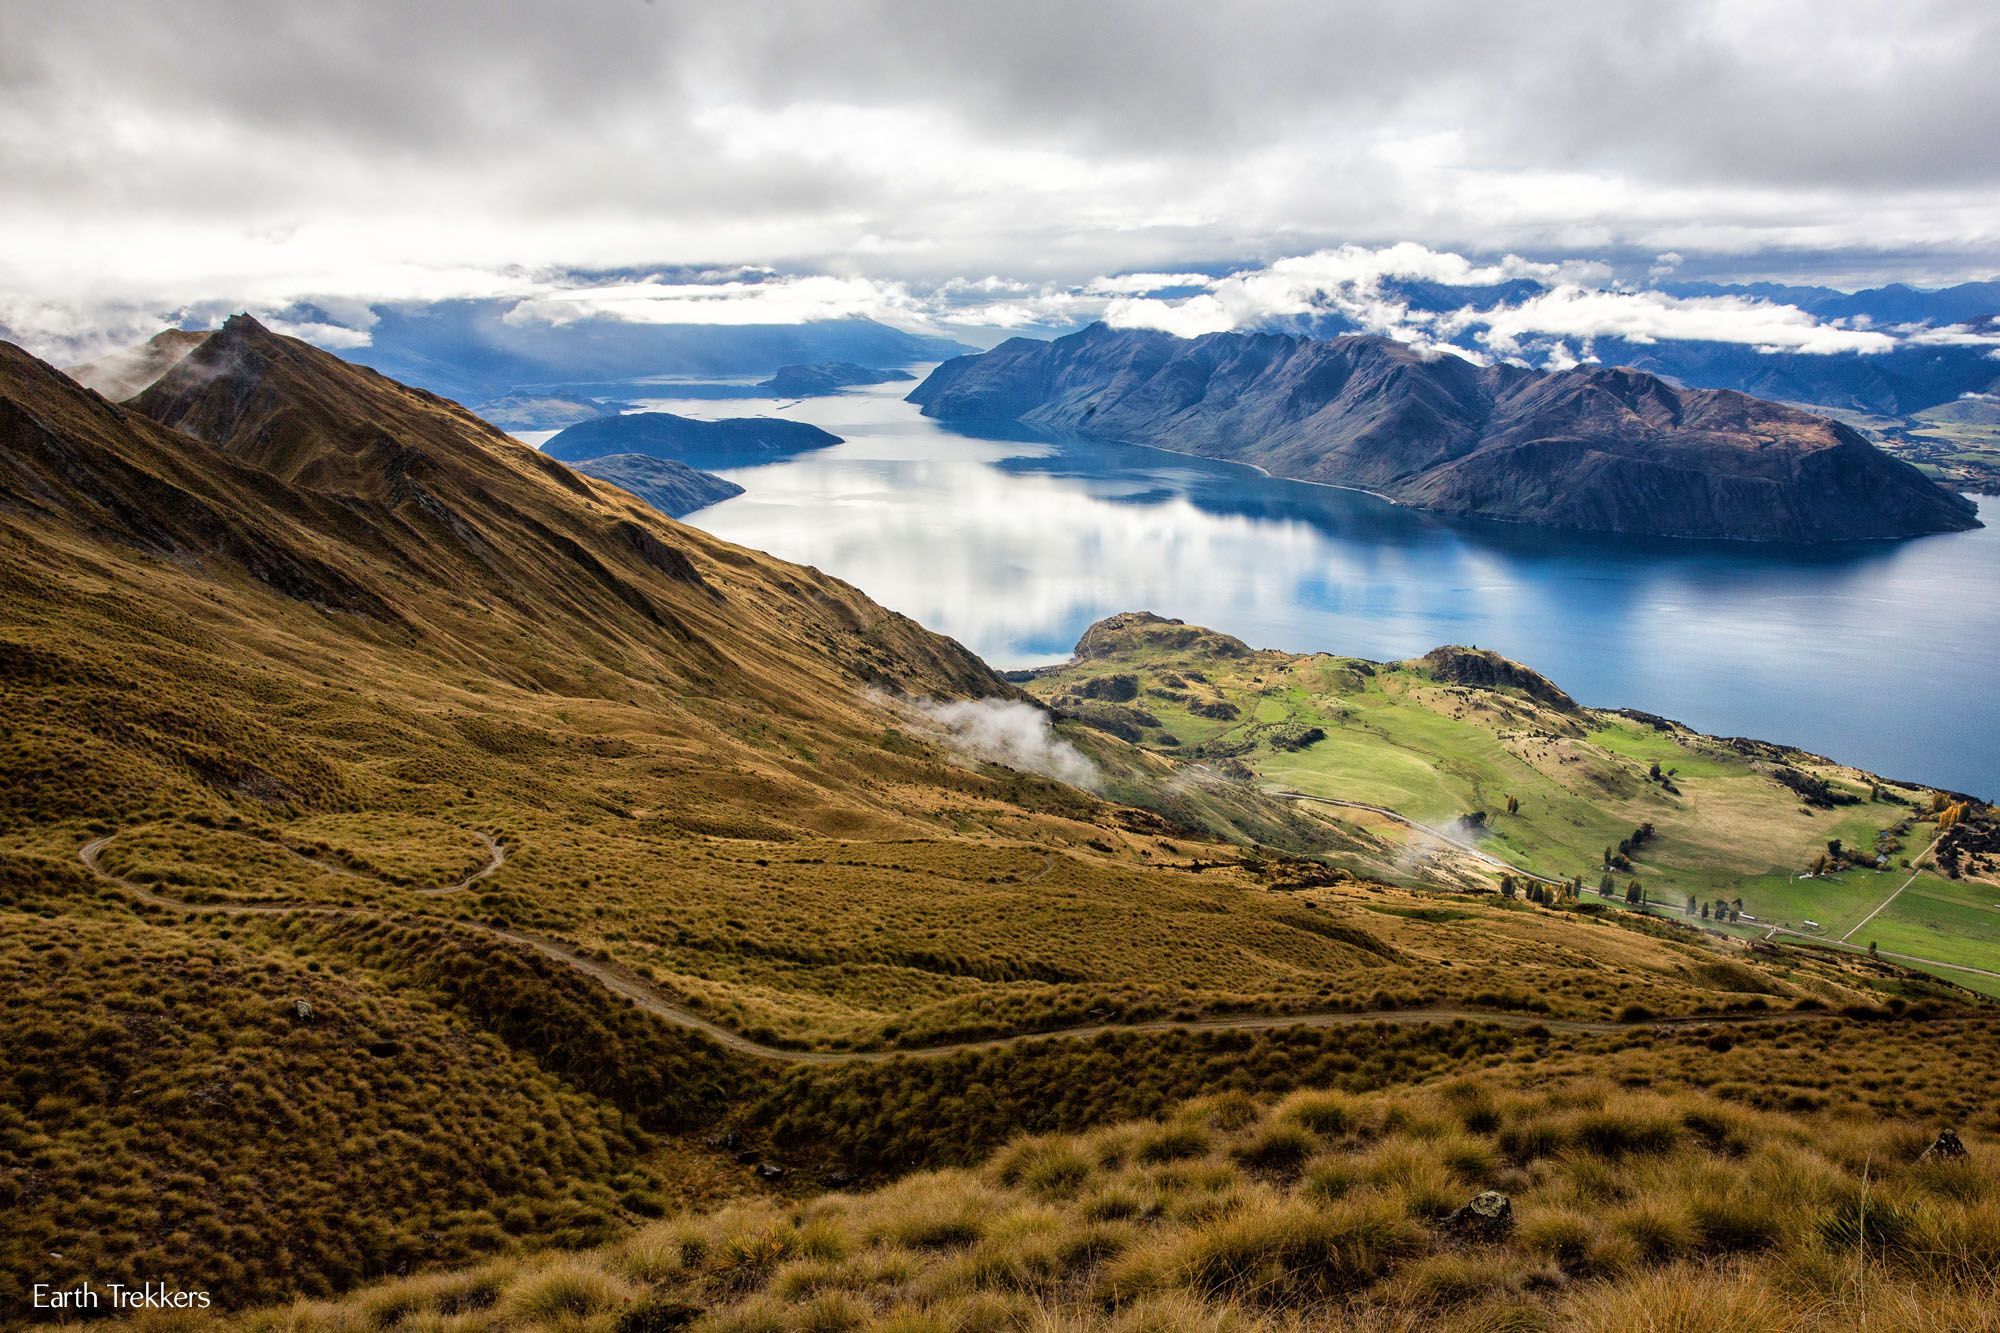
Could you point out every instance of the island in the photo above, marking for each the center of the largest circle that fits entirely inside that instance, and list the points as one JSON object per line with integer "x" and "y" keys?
{"x": 827, "y": 377}
{"x": 733, "y": 442}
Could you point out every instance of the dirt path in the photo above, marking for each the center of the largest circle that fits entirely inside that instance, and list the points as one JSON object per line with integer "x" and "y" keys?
{"x": 627, "y": 984}
{"x": 1916, "y": 868}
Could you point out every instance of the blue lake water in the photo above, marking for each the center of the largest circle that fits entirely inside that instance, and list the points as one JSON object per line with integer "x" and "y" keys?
{"x": 1880, "y": 655}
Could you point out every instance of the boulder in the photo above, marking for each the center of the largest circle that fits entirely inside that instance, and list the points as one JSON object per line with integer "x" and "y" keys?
{"x": 1489, "y": 1216}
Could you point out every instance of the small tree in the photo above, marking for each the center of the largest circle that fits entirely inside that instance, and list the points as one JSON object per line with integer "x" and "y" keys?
{"x": 1506, "y": 886}
{"x": 1513, "y": 805}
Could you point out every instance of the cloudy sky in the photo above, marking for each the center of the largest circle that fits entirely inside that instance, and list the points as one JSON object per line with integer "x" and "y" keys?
{"x": 1000, "y": 165}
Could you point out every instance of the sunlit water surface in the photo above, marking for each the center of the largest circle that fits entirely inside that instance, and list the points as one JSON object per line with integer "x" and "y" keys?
{"x": 1878, "y": 654}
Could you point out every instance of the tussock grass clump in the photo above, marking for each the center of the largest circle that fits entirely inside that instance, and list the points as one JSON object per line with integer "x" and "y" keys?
{"x": 1651, "y": 1210}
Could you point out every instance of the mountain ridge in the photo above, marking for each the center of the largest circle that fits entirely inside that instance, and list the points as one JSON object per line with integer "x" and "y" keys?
{"x": 1599, "y": 449}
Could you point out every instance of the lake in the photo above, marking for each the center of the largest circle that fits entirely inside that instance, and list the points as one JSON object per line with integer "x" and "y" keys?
{"x": 1877, "y": 654}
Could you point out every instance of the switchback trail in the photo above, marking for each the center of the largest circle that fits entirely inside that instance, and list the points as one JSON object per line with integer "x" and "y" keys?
{"x": 628, "y": 985}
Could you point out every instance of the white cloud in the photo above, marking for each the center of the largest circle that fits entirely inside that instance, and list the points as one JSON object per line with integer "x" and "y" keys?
{"x": 1011, "y": 733}
{"x": 794, "y": 300}
{"x": 1570, "y": 311}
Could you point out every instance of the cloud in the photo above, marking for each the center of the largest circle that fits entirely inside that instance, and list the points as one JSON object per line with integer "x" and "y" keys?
{"x": 264, "y": 155}
{"x": 780, "y": 300}
{"x": 1011, "y": 733}
{"x": 1571, "y": 311}
{"x": 1353, "y": 283}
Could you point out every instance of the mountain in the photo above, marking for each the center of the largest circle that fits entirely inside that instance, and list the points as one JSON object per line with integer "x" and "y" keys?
{"x": 1896, "y": 303}
{"x": 1607, "y": 450}
{"x": 732, "y": 442}
{"x": 1902, "y": 381}
{"x": 477, "y": 351}
{"x": 827, "y": 377}
{"x": 121, "y": 374}
{"x": 416, "y": 853}
{"x": 672, "y": 488}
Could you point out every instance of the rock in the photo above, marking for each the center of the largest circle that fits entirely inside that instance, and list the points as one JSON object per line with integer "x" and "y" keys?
{"x": 1489, "y": 1216}
{"x": 1948, "y": 1148}
{"x": 302, "y": 1011}
{"x": 770, "y": 1171}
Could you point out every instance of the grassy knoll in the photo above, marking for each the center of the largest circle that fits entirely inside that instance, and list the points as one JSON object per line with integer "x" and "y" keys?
{"x": 1467, "y": 742}
{"x": 1682, "y": 1182}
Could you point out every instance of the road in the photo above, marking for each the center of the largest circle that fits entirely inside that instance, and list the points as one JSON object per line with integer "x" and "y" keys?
{"x": 625, "y": 983}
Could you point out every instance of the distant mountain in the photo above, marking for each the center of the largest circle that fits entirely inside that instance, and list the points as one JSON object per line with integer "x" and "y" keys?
{"x": 1593, "y": 449}
{"x": 672, "y": 488}
{"x": 473, "y": 351}
{"x": 1900, "y": 382}
{"x": 827, "y": 377}
{"x": 735, "y": 442}
{"x": 1897, "y": 303}
{"x": 121, "y": 374}
{"x": 544, "y": 411}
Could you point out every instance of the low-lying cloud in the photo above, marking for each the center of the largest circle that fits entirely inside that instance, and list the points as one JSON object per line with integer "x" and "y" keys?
{"x": 1008, "y": 732}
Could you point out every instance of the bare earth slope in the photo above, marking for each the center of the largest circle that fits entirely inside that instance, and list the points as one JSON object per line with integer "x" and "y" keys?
{"x": 1599, "y": 449}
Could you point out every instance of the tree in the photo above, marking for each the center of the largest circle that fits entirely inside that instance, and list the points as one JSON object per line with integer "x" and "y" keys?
{"x": 1704, "y": 911}
{"x": 1833, "y": 848}
{"x": 1605, "y": 885}
{"x": 1655, "y": 773}
{"x": 1690, "y": 906}
{"x": 1506, "y": 886}
{"x": 1513, "y": 805}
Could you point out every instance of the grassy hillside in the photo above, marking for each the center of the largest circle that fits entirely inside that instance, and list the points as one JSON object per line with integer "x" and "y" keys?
{"x": 411, "y": 850}
{"x": 1494, "y": 756}
{"x": 1664, "y": 1184}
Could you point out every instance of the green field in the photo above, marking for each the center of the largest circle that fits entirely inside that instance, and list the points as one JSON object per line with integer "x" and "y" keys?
{"x": 1452, "y": 741}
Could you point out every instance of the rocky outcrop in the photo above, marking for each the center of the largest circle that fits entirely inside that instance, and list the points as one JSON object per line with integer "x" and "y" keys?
{"x": 1488, "y": 1216}
{"x": 1482, "y": 669}
{"x": 1131, "y": 629}
{"x": 1595, "y": 448}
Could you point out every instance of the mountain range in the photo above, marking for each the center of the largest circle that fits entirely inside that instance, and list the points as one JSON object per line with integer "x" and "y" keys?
{"x": 1915, "y": 374}
{"x": 1597, "y": 449}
